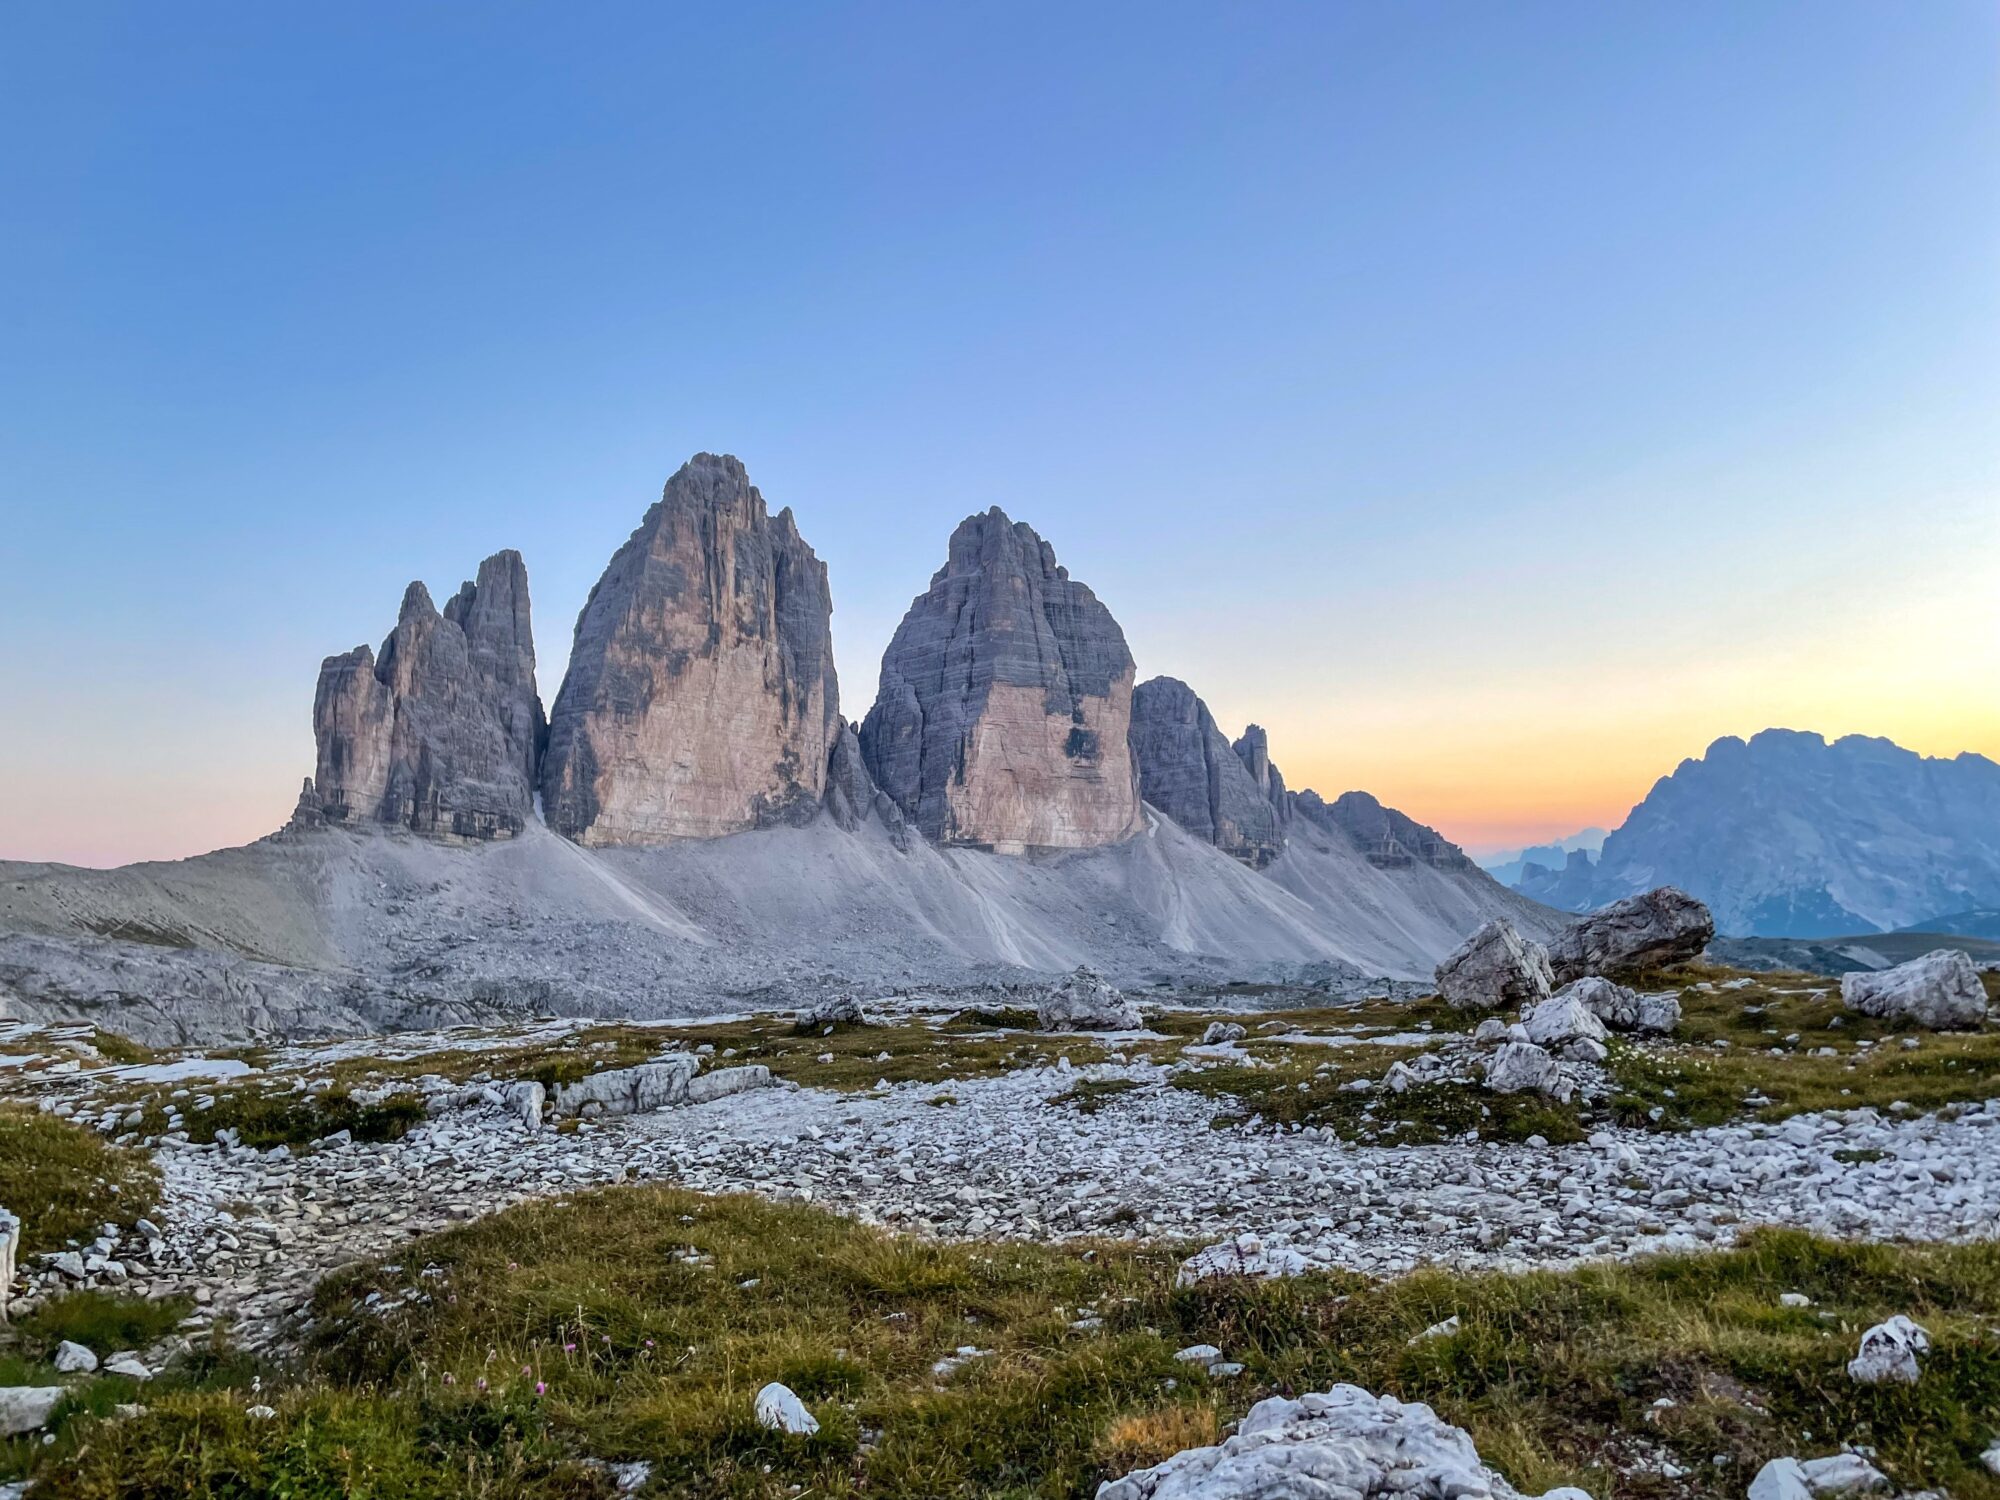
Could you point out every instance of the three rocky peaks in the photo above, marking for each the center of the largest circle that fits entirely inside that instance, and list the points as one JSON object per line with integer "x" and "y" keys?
{"x": 701, "y": 700}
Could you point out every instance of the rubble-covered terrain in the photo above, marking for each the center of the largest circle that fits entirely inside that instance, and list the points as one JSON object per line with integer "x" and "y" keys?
{"x": 1214, "y": 1139}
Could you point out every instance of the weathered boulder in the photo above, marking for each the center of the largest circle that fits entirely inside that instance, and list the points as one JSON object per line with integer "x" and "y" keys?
{"x": 1189, "y": 772}
{"x": 1622, "y": 1009}
{"x": 726, "y": 1081}
{"x": 1004, "y": 713}
{"x": 23, "y": 1408}
{"x": 1940, "y": 990}
{"x": 629, "y": 1091}
{"x": 1524, "y": 1068}
{"x": 1495, "y": 966}
{"x": 1888, "y": 1353}
{"x": 840, "y": 1010}
{"x": 1222, "y": 1032}
{"x": 1651, "y": 930}
{"x": 72, "y": 1358}
{"x": 442, "y": 732}
{"x": 1086, "y": 1001}
{"x": 1343, "y": 1444}
{"x": 1836, "y": 1474}
{"x": 1561, "y": 1019}
{"x": 701, "y": 698}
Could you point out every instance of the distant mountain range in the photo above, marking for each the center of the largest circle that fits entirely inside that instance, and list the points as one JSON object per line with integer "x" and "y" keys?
{"x": 1786, "y": 835}
{"x": 1510, "y": 865}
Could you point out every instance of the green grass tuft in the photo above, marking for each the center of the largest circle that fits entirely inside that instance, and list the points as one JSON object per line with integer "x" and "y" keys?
{"x": 64, "y": 1180}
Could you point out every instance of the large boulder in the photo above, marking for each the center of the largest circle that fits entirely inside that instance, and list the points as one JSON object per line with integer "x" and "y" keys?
{"x": 442, "y": 731}
{"x": 1941, "y": 990}
{"x": 1086, "y": 1001}
{"x": 1652, "y": 930}
{"x": 1004, "y": 714}
{"x": 1495, "y": 966}
{"x": 1340, "y": 1444}
{"x": 1189, "y": 772}
{"x": 701, "y": 698}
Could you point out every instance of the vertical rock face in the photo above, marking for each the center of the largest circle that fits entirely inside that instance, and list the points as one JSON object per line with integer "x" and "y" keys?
{"x": 701, "y": 698}
{"x": 1006, "y": 702}
{"x": 1188, "y": 770}
{"x": 1254, "y": 750}
{"x": 442, "y": 732}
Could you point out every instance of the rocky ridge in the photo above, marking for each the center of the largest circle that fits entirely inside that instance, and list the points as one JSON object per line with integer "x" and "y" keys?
{"x": 1190, "y": 772}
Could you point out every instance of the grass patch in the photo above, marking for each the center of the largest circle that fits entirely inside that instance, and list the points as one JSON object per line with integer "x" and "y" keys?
{"x": 263, "y": 1119}
{"x": 649, "y": 1317}
{"x": 1088, "y": 1096}
{"x": 64, "y": 1180}
{"x": 1301, "y": 1086}
{"x": 100, "y": 1321}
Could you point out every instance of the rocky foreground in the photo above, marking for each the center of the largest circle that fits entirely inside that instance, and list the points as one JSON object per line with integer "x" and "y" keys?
{"x": 1090, "y": 1137}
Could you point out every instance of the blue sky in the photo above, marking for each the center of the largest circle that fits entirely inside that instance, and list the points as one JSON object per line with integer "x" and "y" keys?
{"x": 1499, "y": 402}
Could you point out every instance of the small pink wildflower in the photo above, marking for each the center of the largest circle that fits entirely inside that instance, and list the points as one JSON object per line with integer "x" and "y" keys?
{"x": 541, "y": 1387}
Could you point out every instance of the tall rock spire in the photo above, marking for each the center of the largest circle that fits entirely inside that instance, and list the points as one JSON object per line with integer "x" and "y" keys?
{"x": 1005, "y": 702}
{"x": 701, "y": 698}
{"x": 441, "y": 732}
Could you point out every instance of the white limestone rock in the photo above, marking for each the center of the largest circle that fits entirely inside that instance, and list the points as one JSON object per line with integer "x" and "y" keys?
{"x": 1496, "y": 966}
{"x": 1223, "y": 1031}
{"x": 1561, "y": 1019}
{"x": 1086, "y": 1001}
{"x": 726, "y": 1081}
{"x": 1835, "y": 1475}
{"x": 73, "y": 1359}
{"x": 1622, "y": 1009}
{"x": 780, "y": 1409}
{"x": 1523, "y": 1067}
{"x": 1941, "y": 991}
{"x": 1888, "y": 1353}
{"x": 1341, "y": 1444}
{"x": 1246, "y": 1255}
{"x": 630, "y": 1091}
{"x": 23, "y": 1408}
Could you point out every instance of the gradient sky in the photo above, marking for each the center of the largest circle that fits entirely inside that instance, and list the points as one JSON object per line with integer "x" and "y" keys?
{"x": 1498, "y": 402}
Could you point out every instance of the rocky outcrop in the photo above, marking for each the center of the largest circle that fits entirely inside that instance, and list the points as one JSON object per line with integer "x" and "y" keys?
{"x": 1005, "y": 704}
{"x": 1649, "y": 931}
{"x": 701, "y": 698}
{"x": 1625, "y": 1010}
{"x": 441, "y": 732}
{"x": 1086, "y": 1001}
{"x": 851, "y": 796}
{"x": 1188, "y": 770}
{"x": 1253, "y": 749}
{"x": 1940, "y": 990}
{"x": 1495, "y": 966}
{"x": 1339, "y": 1443}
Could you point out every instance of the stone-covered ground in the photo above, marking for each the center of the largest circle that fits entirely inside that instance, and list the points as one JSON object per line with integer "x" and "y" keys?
{"x": 276, "y": 1167}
